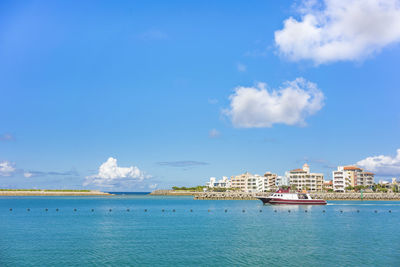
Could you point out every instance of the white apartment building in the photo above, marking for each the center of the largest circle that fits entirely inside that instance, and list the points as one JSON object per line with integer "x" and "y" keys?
{"x": 303, "y": 179}
{"x": 248, "y": 182}
{"x": 223, "y": 183}
{"x": 340, "y": 179}
{"x": 351, "y": 176}
{"x": 282, "y": 181}
{"x": 270, "y": 182}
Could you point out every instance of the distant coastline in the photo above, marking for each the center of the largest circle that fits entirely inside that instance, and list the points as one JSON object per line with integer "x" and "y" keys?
{"x": 252, "y": 196}
{"x": 51, "y": 192}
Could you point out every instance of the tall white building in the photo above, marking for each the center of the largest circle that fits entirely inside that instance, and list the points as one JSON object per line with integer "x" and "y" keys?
{"x": 346, "y": 176}
{"x": 340, "y": 179}
{"x": 282, "y": 181}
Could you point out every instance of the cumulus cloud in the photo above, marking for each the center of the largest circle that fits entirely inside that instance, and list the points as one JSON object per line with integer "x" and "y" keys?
{"x": 214, "y": 133}
{"x": 110, "y": 174}
{"x": 6, "y": 168}
{"x": 259, "y": 107}
{"x": 338, "y": 30}
{"x": 382, "y": 165}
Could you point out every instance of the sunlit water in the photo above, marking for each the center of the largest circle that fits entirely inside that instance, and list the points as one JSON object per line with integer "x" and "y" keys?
{"x": 214, "y": 233}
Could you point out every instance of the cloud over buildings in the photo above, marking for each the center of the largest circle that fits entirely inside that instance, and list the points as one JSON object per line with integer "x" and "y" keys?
{"x": 338, "y": 30}
{"x": 382, "y": 165}
{"x": 257, "y": 107}
{"x": 110, "y": 175}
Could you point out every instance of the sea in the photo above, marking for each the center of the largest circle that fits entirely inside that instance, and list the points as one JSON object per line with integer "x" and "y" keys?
{"x": 143, "y": 230}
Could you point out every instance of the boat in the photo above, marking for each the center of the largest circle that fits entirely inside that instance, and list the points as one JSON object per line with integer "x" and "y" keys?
{"x": 285, "y": 197}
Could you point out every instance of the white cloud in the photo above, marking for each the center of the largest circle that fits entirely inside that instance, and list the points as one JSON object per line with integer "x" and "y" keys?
{"x": 258, "y": 107}
{"x": 241, "y": 67}
{"x": 6, "y": 168}
{"x": 382, "y": 165}
{"x": 338, "y": 30}
{"x": 110, "y": 174}
{"x": 214, "y": 133}
{"x": 28, "y": 174}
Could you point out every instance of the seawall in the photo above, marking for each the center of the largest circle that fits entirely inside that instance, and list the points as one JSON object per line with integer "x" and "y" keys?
{"x": 173, "y": 193}
{"x": 326, "y": 196}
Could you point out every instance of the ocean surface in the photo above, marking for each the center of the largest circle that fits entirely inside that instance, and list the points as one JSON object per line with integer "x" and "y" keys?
{"x": 144, "y": 230}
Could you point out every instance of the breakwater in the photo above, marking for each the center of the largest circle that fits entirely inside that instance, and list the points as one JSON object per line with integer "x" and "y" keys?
{"x": 319, "y": 195}
{"x": 161, "y": 192}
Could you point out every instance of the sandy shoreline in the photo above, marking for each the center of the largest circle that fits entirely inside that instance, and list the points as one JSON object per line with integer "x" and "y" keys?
{"x": 53, "y": 193}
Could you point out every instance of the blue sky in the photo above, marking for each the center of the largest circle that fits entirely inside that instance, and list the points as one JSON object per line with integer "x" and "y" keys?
{"x": 171, "y": 90}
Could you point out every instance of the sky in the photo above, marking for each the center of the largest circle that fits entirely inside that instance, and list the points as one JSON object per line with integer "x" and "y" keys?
{"x": 140, "y": 95}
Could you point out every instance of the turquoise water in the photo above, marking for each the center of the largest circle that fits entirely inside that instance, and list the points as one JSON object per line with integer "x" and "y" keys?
{"x": 207, "y": 236}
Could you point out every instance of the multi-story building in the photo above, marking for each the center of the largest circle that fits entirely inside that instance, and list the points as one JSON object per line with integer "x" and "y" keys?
{"x": 255, "y": 183}
{"x": 282, "y": 181}
{"x": 346, "y": 176}
{"x": 341, "y": 179}
{"x": 240, "y": 181}
{"x": 248, "y": 182}
{"x": 223, "y": 183}
{"x": 303, "y": 179}
{"x": 270, "y": 181}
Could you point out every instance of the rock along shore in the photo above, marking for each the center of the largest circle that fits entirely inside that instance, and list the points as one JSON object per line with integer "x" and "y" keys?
{"x": 321, "y": 195}
{"x": 160, "y": 192}
{"x": 53, "y": 193}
